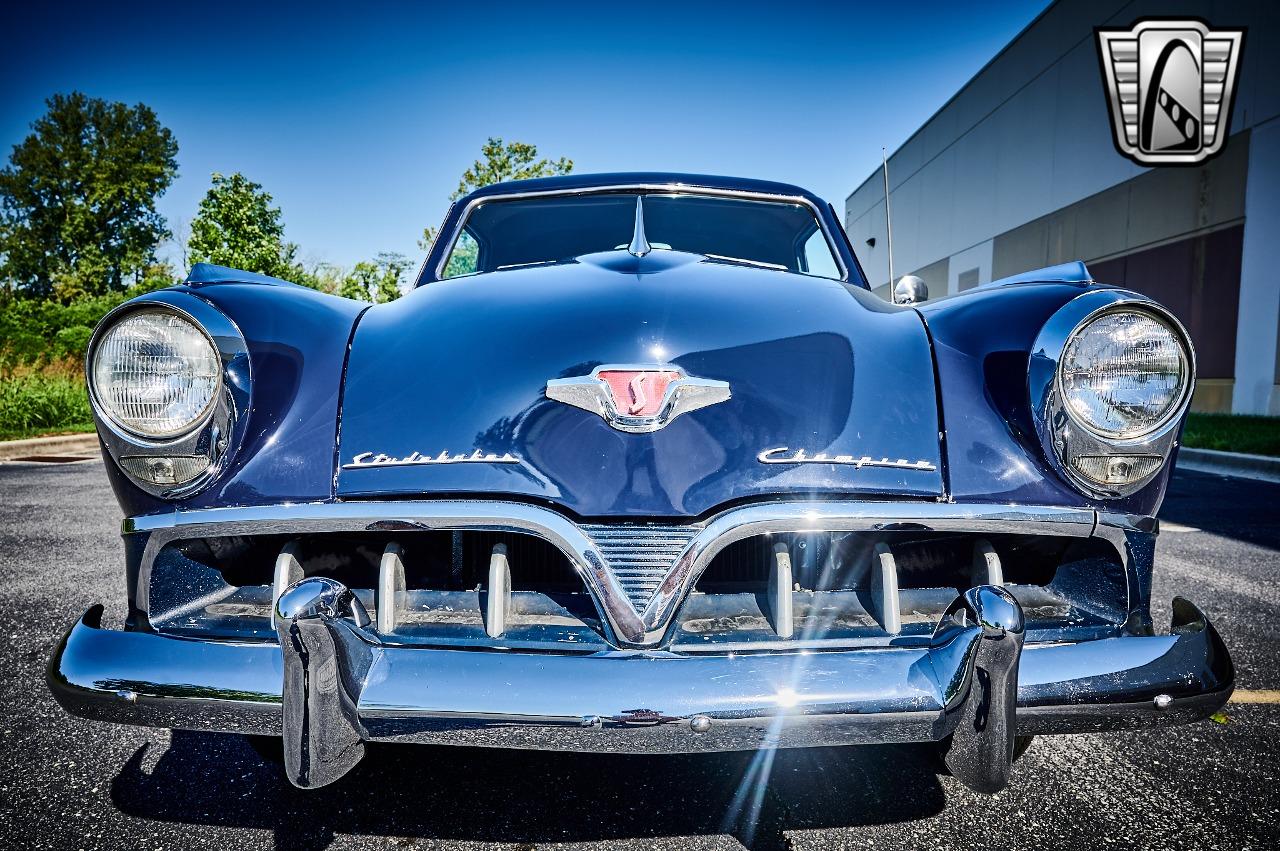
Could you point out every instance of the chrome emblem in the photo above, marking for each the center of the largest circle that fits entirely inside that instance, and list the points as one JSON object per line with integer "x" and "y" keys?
{"x": 638, "y": 399}
{"x": 1169, "y": 85}
{"x": 785, "y": 455}
{"x": 415, "y": 459}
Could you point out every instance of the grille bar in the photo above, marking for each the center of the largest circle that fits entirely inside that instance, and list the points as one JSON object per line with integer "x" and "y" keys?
{"x": 639, "y": 555}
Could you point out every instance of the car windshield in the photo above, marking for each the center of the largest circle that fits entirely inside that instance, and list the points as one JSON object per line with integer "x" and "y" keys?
{"x": 533, "y": 231}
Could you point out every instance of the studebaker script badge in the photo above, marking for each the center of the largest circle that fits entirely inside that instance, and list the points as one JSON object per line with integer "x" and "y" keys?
{"x": 414, "y": 459}
{"x": 638, "y": 399}
{"x": 785, "y": 455}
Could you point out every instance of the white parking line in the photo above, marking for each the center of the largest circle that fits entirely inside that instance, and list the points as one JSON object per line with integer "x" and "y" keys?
{"x": 1261, "y": 695}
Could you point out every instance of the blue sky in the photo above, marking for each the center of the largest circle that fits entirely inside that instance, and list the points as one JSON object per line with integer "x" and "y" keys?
{"x": 360, "y": 118}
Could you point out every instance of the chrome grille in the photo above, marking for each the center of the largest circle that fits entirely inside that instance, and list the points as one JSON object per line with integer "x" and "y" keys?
{"x": 639, "y": 555}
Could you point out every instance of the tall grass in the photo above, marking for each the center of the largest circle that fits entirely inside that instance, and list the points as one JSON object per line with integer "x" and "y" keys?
{"x": 44, "y": 401}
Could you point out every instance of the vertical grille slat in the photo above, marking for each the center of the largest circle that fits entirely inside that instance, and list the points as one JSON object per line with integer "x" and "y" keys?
{"x": 639, "y": 555}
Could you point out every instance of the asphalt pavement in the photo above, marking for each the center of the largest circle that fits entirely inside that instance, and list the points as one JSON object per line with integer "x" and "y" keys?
{"x": 69, "y": 783}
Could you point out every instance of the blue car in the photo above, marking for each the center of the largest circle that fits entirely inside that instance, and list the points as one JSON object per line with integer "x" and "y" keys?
{"x": 641, "y": 465}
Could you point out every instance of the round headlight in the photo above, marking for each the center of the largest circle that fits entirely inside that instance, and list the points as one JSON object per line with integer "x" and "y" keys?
{"x": 155, "y": 373}
{"x": 1124, "y": 374}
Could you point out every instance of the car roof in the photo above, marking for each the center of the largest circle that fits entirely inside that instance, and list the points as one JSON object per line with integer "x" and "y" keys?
{"x": 570, "y": 182}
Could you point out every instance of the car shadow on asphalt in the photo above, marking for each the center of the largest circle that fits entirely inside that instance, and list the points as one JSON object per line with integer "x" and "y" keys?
{"x": 475, "y": 795}
{"x": 1239, "y": 508}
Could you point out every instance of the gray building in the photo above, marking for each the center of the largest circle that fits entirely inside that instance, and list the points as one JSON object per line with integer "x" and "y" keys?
{"x": 1019, "y": 170}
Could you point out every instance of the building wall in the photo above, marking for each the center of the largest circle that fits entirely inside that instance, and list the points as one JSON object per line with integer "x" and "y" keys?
{"x": 1156, "y": 206}
{"x": 1019, "y": 171}
{"x": 1257, "y": 367}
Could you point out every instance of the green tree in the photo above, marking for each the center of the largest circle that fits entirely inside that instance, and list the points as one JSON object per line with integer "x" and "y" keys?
{"x": 514, "y": 161}
{"x": 499, "y": 162}
{"x": 393, "y": 266}
{"x": 77, "y": 199}
{"x": 378, "y": 281}
{"x": 325, "y": 277}
{"x": 236, "y": 226}
{"x": 74, "y": 285}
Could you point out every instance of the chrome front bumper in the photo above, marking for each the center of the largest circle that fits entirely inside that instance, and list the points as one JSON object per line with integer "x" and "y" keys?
{"x": 973, "y": 685}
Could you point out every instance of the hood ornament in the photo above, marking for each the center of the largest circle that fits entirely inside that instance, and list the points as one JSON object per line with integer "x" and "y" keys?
{"x": 639, "y": 246}
{"x": 638, "y": 399}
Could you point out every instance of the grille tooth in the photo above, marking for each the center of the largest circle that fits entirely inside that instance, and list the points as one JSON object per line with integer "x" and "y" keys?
{"x": 639, "y": 555}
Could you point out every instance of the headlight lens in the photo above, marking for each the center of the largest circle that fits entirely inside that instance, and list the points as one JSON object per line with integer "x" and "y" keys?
{"x": 155, "y": 373}
{"x": 1124, "y": 374}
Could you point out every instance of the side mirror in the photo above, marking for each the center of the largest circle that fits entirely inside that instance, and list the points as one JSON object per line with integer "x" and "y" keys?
{"x": 910, "y": 290}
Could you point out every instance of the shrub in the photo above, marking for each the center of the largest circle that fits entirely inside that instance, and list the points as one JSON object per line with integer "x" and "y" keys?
{"x": 41, "y": 402}
{"x": 37, "y": 333}
{"x": 42, "y": 346}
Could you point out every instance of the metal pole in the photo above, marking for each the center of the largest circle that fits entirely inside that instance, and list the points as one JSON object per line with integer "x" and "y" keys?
{"x": 888, "y": 223}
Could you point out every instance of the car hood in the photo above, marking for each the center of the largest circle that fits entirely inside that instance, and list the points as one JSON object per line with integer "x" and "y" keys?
{"x": 813, "y": 365}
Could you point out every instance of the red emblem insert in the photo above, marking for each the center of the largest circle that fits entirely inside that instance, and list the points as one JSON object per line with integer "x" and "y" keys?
{"x": 638, "y": 393}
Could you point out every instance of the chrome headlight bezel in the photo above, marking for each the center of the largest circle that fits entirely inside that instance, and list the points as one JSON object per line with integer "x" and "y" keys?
{"x": 203, "y": 447}
{"x": 1065, "y": 437}
{"x": 113, "y": 416}
{"x": 1180, "y": 338}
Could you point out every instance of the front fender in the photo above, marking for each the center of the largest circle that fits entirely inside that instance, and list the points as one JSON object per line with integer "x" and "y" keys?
{"x": 297, "y": 341}
{"x": 982, "y": 342}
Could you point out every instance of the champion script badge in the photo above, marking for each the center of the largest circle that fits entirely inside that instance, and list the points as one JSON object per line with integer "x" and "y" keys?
{"x": 785, "y": 455}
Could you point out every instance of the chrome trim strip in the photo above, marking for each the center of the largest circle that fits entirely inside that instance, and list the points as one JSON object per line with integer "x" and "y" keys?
{"x": 657, "y": 188}
{"x": 742, "y": 261}
{"x": 628, "y": 628}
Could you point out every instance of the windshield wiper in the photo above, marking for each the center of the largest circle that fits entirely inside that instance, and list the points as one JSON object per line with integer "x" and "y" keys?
{"x": 759, "y": 264}
{"x": 504, "y": 267}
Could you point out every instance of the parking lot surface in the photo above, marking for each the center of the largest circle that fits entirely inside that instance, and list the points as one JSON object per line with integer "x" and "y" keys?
{"x": 70, "y": 783}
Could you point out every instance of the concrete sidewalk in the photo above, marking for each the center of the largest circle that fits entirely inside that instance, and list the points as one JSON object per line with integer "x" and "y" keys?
{"x": 1261, "y": 467}
{"x": 67, "y": 445}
